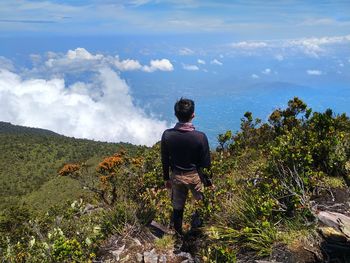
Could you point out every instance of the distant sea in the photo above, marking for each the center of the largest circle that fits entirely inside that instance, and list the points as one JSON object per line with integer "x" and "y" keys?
{"x": 216, "y": 114}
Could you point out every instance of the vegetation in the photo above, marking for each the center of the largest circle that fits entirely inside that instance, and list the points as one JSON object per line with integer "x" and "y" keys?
{"x": 265, "y": 177}
{"x": 31, "y": 158}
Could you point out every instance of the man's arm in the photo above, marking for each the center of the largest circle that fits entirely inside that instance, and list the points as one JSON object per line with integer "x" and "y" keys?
{"x": 205, "y": 162}
{"x": 165, "y": 158}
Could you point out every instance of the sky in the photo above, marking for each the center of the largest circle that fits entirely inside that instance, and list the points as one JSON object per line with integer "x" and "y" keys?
{"x": 112, "y": 70}
{"x": 250, "y": 20}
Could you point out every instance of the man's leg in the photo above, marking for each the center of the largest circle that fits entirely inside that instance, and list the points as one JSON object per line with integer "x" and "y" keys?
{"x": 196, "y": 188}
{"x": 179, "y": 195}
{"x": 178, "y": 217}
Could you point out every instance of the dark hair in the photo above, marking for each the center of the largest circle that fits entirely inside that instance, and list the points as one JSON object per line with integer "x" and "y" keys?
{"x": 184, "y": 108}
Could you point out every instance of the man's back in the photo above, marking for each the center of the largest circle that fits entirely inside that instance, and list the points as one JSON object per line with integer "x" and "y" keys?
{"x": 184, "y": 149}
{"x": 187, "y": 150}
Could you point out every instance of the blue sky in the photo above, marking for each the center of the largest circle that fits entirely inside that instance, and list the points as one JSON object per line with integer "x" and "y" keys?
{"x": 248, "y": 20}
{"x": 111, "y": 70}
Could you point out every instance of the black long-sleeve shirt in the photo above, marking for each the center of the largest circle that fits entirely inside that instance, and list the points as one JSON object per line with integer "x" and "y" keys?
{"x": 184, "y": 151}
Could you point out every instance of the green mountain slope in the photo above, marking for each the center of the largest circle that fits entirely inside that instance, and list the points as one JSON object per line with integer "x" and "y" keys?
{"x": 31, "y": 157}
{"x": 274, "y": 183}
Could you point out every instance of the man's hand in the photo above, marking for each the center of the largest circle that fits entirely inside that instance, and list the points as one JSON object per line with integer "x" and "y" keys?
{"x": 168, "y": 184}
{"x": 207, "y": 182}
{"x": 211, "y": 187}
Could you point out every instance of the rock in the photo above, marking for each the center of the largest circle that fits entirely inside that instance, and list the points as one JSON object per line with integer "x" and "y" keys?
{"x": 187, "y": 257}
{"x": 159, "y": 230}
{"x": 162, "y": 258}
{"x": 330, "y": 233}
{"x": 265, "y": 261}
{"x": 336, "y": 234}
{"x": 116, "y": 253}
{"x": 139, "y": 257}
{"x": 88, "y": 208}
{"x": 336, "y": 220}
{"x": 125, "y": 259}
{"x": 150, "y": 257}
{"x": 137, "y": 242}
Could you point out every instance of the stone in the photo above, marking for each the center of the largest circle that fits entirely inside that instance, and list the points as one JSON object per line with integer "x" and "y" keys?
{"x": 136, "y": 241}
{"x": 116, "y": 253}
{"x": 336, "y": 220}
{"x": 330, "y": 233}
{"x": 139, "y": 257}
{"x": 162, "y": 258}
{"x": 150, "y": 257}
{"x": 187, "y": 257}
{"x": 125, "y": 259}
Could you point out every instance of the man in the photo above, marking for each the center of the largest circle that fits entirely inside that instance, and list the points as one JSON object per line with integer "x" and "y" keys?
{"x": 186, "y": 152}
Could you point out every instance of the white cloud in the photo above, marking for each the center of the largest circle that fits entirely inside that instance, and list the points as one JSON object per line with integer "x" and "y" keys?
{"x": 159, "y": 64}
{"x": 6, "y": 63}
{"x": 35, "y": 58}
{"x": 75, "y": 60}
{"x": 216, "y": 62}
{"x": 109, "y": 115}
{"x": 312, "y": 47}
{"x": 249, "y": 45}
{"x": 82, "y": 53}
{"x": 266, "y": 71}
{"x": 326, "y": 21}
{"x": 254, "y": 76}
{"x": 127, "y": 64}
{"x": 80, "y": 60}
{"x": 190, "y": 67}
{"x": 315, "y": 46}
{"x": 201, "y": 61}
{"x": 279, "y": 57}
{"x": 186, "y": 51}
{"x": 314, "y": 72}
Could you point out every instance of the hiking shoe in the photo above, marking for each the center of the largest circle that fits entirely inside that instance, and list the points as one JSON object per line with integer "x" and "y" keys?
{"x": 178, "y": 244}
{"x": 196, "y": 220}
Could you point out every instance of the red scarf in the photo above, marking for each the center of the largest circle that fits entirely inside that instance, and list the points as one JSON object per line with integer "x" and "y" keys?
{"x": 184, "y": 126}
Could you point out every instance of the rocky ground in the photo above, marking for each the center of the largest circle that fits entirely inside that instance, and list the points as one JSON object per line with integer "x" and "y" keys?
{"x": 331, "y": 243}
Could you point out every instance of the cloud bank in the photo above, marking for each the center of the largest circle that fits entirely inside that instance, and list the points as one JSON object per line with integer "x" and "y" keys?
{"x": 186, "y": 51}
{"x": 100, "y": 109}
{"x": 190, "y": 67}
{"x": 216, "y": 62}
{"x": 314, "y": 72}
{"x": 81, "y": 60}
{"x": 158, "y": 64}
{"x": 312, "y": 47}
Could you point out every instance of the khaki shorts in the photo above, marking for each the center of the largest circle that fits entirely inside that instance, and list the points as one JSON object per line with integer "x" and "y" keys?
{"x": 183, "y": 182}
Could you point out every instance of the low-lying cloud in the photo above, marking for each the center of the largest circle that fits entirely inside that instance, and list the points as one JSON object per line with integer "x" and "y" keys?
{"x": 311, "y": 47}
{"x": 158, "y": 64}
{"x": 216, "y": 62}
{"x": 80, "y": 60}
{"x": 248, "y": 45}
{"x": 186, "y": 51}
{"x": 101, "y": 109}
{"x": 314, "y": 72}
{"x": 190, "y": 67}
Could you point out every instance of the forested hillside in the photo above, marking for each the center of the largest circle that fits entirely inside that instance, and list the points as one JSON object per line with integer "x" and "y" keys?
{"x": 31, "y": 157}
{"x": 281, "y": 194}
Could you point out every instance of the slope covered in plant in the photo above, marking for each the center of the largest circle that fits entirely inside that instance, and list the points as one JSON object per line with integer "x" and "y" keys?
{"x": 268, "y": 178}
{"x": 31, "y": 157}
